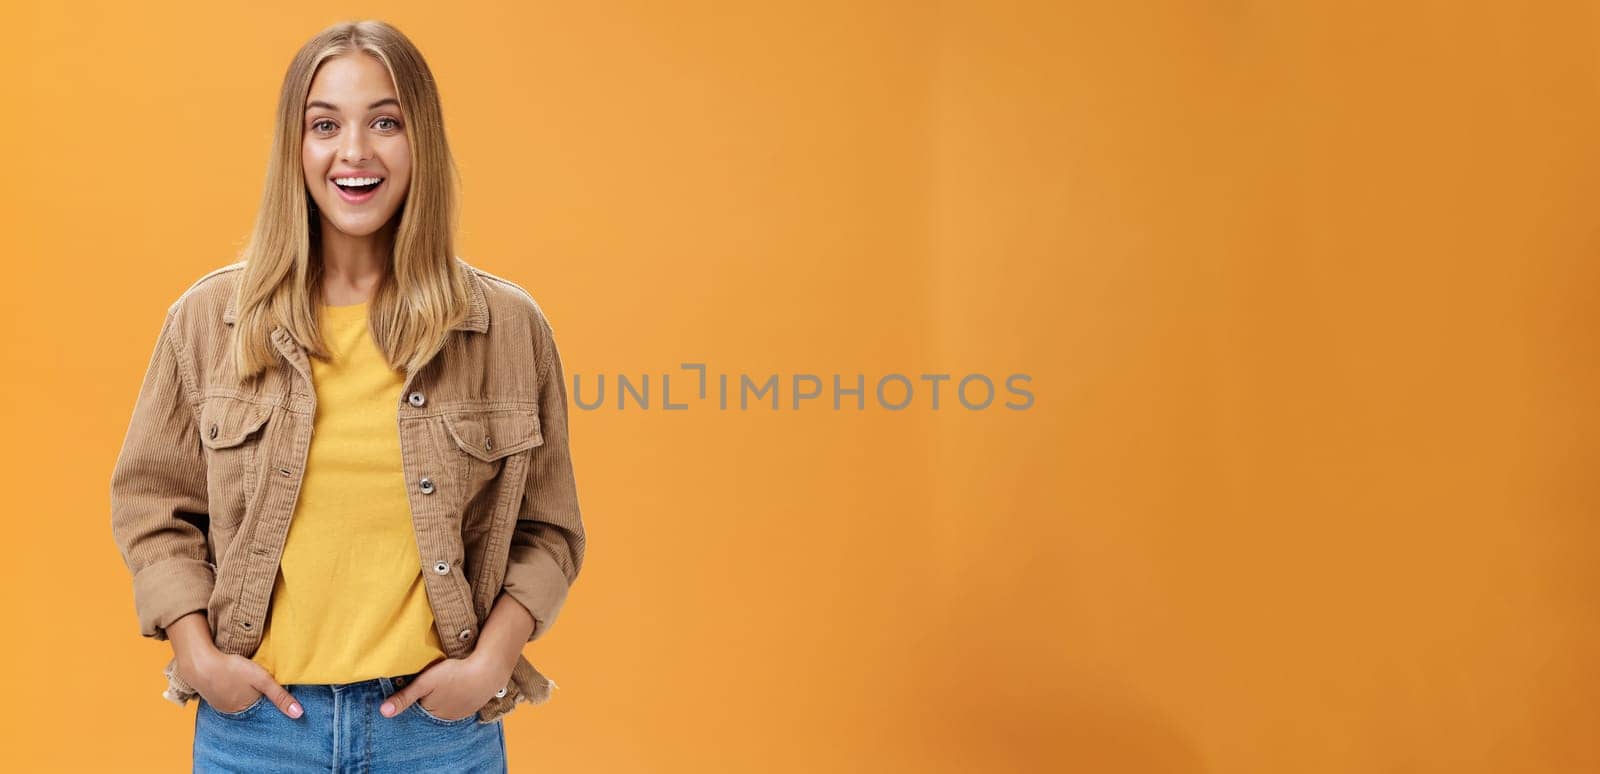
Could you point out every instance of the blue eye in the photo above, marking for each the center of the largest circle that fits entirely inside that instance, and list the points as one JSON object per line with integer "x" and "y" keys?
{"x": 390, "y": 120}
{"x": 320, "y": 122}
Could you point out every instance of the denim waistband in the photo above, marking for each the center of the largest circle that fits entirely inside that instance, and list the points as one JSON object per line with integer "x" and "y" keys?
{"x": 395, "y": 683}
{"x": 388, "y": 683}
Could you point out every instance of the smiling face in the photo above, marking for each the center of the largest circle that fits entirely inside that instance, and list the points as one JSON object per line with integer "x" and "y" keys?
{"x": 355, "y": 152}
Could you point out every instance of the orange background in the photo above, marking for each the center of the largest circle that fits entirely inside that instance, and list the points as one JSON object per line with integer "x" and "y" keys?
{"x": 1307, "y": 292}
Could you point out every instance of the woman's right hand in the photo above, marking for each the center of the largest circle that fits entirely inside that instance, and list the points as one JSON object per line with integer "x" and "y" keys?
{"x": 230, "y": 682}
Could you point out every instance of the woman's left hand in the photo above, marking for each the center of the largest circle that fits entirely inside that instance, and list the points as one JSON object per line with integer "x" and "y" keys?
{"x": 454, "y": 688}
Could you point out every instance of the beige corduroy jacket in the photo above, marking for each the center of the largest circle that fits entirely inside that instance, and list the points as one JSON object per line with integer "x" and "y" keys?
{"x": 206, "y": 482}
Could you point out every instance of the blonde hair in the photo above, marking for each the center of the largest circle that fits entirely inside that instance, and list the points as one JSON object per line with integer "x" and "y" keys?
{"x": 425, "y": 292}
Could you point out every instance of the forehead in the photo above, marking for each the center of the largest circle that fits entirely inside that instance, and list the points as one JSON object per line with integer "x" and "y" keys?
{"x": 350, "y": 80}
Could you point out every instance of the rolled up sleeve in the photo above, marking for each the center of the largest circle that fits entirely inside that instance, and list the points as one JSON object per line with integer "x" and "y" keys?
{"x": 547, "y": 545}
{"x": 159, "y": 505}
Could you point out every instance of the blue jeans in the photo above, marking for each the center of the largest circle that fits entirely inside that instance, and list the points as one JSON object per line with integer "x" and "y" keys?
{"x": 342, "y": 732}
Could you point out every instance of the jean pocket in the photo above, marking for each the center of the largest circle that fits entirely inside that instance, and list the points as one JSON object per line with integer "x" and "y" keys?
{"x": 435, "y": 719}
{"x": 238, "y": 714}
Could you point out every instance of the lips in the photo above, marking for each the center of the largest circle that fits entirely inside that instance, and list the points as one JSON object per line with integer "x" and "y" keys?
{"x": 359, "y": 194}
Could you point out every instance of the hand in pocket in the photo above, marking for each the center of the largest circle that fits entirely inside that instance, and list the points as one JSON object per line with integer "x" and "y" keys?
{"x": 231, "y": 683}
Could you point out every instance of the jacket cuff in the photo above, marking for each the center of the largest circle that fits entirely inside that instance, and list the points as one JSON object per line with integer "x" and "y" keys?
{"x": 535, "y": 580}
{"x": 171, "y": 589}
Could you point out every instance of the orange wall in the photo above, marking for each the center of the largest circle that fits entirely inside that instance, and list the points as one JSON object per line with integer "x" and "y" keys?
{"x": 1307, "y": 293}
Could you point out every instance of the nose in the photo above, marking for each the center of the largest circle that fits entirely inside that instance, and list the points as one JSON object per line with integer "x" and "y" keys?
{"x": 355, "y": 148}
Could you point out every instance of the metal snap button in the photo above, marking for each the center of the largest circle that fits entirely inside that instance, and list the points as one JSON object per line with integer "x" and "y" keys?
{"x": 486, "y": 445}
{"x": 441, "y": 568}
{"x": 466, "y": 634}
{"x": 416, "y": 398}
{"x": 500, "y": 693}
{"x": 213, "y": 430}
{"x": 426, "y": 484}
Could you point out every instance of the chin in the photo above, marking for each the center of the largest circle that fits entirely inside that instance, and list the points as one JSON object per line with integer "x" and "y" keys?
{"x": 358, "y": 229}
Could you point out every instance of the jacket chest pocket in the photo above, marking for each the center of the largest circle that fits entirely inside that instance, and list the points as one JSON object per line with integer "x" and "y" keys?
{"x": 231, "y": 430}
{"x": 479, "y": 442}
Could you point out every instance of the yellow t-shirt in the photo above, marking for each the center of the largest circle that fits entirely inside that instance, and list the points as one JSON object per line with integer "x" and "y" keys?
{"x": 349, "y": 602}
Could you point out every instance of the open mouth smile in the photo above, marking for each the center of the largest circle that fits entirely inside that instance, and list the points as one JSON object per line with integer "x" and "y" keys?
{"x": 357, "y": 190}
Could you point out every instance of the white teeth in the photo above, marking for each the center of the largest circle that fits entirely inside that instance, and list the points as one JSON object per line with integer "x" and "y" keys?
{"x": 357, "y": 180}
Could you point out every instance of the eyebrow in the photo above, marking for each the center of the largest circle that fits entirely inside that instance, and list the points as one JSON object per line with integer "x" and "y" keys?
{"x": 317, "y": 103}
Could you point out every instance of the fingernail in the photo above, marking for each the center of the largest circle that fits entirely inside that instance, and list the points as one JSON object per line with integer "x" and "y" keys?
{"x": 294, "y": 709}
{"x": 387, "y": 709}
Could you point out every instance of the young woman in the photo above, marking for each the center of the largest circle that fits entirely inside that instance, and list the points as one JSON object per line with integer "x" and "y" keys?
{"x": 345, "y": 495}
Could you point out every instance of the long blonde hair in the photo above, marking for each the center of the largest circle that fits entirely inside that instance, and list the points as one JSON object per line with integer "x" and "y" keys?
{"x": 425, "y": 292}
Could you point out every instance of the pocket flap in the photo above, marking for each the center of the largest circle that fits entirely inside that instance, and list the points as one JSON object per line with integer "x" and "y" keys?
{"x": 490, "y": 435}
{"x": 228, "y": 422}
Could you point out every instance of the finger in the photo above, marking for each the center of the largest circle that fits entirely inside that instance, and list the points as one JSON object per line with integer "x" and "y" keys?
{"x": 399, "y": 700}
{"x": 279, "y": 696}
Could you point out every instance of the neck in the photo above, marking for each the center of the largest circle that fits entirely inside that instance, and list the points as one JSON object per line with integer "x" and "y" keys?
{"x": 353, "y": 266}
